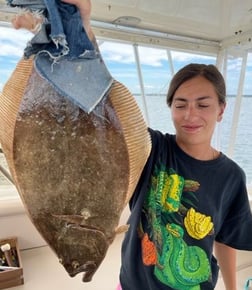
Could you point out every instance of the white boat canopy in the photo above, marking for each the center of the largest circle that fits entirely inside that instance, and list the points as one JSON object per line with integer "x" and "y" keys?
{"x": 201, "y": 25}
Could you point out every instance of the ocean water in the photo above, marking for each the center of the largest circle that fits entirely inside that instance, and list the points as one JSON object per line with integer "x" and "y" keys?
{"x": 159, "y": 118}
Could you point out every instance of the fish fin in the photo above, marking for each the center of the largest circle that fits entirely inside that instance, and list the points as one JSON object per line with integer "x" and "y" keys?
{"x": 122, "y": 229}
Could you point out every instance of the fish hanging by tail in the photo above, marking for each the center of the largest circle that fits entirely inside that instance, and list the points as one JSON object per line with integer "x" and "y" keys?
{"x": 74, "y": 138}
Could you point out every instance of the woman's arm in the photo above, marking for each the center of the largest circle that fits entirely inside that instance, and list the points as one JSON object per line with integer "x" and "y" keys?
{"x": 85, "y": 7}
{"x": 226, "y": 257}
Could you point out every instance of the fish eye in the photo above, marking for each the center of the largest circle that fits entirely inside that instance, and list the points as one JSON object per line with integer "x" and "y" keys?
{"x": 75, "y": 264}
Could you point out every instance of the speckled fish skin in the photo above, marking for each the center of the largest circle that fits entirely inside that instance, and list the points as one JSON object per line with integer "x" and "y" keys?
{"x": 75, "y": 171}
{"x": 72, "y": 172}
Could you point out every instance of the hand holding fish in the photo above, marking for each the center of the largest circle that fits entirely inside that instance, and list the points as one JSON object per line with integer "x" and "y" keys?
{"x": 84, "y": 7}
{"x": 33, "y": 21}
{"x": 27, "y": 20}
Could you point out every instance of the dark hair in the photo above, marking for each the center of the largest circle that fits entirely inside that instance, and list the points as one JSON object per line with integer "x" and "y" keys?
{"x": 210, "y": 72}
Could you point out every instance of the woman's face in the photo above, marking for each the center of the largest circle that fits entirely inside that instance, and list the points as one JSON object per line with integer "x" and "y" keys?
{"x": 195, "y": 110}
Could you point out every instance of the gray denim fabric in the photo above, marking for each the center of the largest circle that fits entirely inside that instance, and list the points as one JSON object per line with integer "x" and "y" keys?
{"x": 90, "y": 75}
{"x": 29, "y": 4}
{"x": 64, "y": 54}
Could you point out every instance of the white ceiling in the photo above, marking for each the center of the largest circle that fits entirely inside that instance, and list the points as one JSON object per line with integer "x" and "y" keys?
{"x": 214, "y": 20}
{"x": 208, "y": 19}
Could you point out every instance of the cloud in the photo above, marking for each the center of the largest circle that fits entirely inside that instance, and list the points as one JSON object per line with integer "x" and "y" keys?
{"x": 249, "y": 61}
{"x": 187, "y": 57}
{"x": 124, "y": 53}
{"x": 4, "y": 75}
{"x": 116, "y": 52}
{"x": 13, "y": 42}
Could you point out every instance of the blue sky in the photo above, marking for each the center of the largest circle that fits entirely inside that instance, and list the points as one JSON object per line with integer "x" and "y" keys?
{"x": 120, "y": 60}
{"x": 12, "y": 44}
{"x": 156, "y": 74}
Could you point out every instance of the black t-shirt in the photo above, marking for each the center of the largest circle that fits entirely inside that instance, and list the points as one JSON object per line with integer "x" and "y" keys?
{"x": 180, "y": 207}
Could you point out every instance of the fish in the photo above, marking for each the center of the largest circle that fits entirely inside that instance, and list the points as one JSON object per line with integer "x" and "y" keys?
{"x": 74, "y": 169}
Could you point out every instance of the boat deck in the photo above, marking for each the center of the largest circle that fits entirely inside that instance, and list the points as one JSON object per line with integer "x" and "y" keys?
{"x": 43, "y": 271}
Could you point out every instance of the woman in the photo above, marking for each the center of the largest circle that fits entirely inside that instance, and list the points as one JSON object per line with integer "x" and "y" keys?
{"x": 190, "y": 196}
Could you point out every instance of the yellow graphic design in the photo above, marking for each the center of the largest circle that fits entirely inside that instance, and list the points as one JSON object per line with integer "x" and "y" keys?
{"x": 171, "y": 193}
{"x": 197, "y": 225}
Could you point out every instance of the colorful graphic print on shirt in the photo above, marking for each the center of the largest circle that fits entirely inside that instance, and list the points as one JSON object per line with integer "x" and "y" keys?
{"x": 169, "y": 211}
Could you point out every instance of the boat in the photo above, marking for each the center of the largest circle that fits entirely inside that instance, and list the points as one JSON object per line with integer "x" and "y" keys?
{"x": 143, "y": 43}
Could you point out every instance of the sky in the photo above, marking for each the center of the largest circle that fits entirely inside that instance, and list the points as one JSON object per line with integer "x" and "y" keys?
{"x": 12, "y": 44}
{"x": 156, "y": 72}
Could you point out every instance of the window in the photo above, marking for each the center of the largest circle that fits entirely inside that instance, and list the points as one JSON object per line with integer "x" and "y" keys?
{"x": 154, "y": 67}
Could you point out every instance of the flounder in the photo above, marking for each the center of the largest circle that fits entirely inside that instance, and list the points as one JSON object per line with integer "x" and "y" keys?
{"x": 74, "y": 170}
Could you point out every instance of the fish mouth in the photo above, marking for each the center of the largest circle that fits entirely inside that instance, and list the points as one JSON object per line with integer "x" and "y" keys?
{"x": 89, "y": 268}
